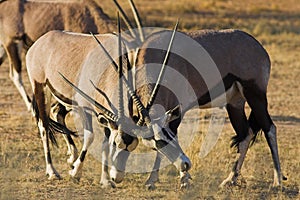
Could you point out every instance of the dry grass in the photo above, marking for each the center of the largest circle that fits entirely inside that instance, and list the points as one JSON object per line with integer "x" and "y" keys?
{"x": 275, "y": 23}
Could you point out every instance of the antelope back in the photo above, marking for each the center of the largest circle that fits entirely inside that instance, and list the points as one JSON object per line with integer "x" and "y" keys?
{"x": 80, "y": 16}
{"x": 201, "y": 62}
{"x": 11, "y": 20}
{"x": 88, "y": 66}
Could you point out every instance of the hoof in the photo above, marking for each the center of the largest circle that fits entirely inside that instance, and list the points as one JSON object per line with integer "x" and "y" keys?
{"x": 71, "y": 160}
{"x": 150, "y": 186}
{"x": 54, "y": 176}
{"x": 75, "y": 174}
{"x": 52, "y": 173}
{"x": 108, "y": 184}
{"x": 74, "y": 179}
{"x": 240, "y": 182}
{"x": 185, "y": 180}
{"x": 184, "y": 186}
{"x": 284, "y": 178}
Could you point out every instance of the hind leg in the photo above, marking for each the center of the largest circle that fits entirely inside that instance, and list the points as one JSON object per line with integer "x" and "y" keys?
{"x": 154, "y": 175}
{"x": 59, "y": 113}
{"x": 2, "y": 54}
{"x": 15, "y": 71}
{"x": 242, "y": 140}
{"x": 43, "y": 125}
{"x": 258, "y": 104}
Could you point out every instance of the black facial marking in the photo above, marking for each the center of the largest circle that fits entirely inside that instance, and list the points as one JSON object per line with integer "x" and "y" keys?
{"x": 107, "y": 132}
{"x": 128, "y": 139}
{"x": 160, "y": 144}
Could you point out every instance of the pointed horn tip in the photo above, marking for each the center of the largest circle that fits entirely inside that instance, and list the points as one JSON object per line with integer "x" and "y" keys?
{"x": 65, "y": 79}
{"x": 177, "y": 24}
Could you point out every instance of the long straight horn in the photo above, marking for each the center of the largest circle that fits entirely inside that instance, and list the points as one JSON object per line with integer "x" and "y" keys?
{"x": 125, "y": 18}
{"x": 120, "y": 75}
{"x": 131, "y": 92}
{"x": 137, "y": 20}
{"x": 162, "y": 71}
{"x": 104, "y": 111}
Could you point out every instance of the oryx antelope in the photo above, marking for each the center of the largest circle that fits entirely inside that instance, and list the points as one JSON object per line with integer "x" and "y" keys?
{"x": 241, "y": 74}
{"x": 25, "y": 21}
{"x": 69, "y": 54}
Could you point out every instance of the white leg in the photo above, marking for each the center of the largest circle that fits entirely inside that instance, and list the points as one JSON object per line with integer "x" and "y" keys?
{"x": 105, "y": 178}
{"x": 154, "y": 175}
{"x": 183, "y": 164}
{"x": 50, "y": 170}
{"x": 17, "y": 80}
{"x": 78, "y": 164}
{"x": 72, "y": 150}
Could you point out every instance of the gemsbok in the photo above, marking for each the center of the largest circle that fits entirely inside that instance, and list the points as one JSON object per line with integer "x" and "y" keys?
{"x": 25, "y": 21}
{"x": 60, "y": 59}
{"x": 208, "y": 68}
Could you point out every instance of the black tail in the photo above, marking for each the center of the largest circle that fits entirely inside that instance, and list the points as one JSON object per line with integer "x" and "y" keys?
{"x": 35, "y": 109}
{"x": 252, "y": 123}
{"x": 254, "y": 126}
{"x": 57, "y": 127}
{"x": 54, "y": 127}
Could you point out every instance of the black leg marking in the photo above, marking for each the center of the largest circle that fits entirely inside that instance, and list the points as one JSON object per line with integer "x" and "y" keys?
{"x": 257, "y": 100}
{"x": 49, "y": 160}
{"x": 82, "y": 155}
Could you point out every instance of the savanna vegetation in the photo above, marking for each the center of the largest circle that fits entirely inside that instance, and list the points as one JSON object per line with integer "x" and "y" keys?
{"x": 275, "y": 23}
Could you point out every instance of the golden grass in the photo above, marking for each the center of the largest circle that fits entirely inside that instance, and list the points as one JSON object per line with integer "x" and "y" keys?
{"x": 275, "y": 23}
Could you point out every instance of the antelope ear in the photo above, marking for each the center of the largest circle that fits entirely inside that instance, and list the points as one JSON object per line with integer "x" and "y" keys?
{"x": 173, "y": 114}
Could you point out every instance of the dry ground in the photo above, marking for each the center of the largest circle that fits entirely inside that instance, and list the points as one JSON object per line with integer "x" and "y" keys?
{"x": 275, "y": 23}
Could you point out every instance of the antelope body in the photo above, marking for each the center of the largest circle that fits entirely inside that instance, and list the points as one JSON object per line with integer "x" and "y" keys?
{"x": 69, "y": 54}
{"x": 25, "y": 21}
{"x": 218, "y": 68}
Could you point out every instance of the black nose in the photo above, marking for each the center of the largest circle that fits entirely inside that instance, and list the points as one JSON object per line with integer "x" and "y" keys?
{"x": 128, "y": 139}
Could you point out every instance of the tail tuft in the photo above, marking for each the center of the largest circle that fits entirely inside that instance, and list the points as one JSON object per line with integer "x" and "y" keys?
{"x": 235, "y": 141}
{"x": 60, "y": 128}
{"x": 35, "y": 110}
{"x": 54, "y": 127}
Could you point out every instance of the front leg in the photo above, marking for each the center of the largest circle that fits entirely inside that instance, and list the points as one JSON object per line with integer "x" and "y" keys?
{"x": 78, "y": 164}
{"x": 106, "y": 181}
{"x": 183, "y": 164}
{"x": 154, "y": 175}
